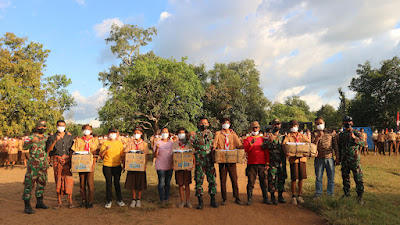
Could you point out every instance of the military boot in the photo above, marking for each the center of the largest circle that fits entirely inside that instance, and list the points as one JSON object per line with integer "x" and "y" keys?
{"x": 280, "y": 197}
{"x": 213, "y": 203}
{"x": 273, "y": 199}
{"x": 265, "y": 197}
{"x": 28, "y": 208}
{"x": 249, "y": 197}
{"x": 40, "y": 204}
{"x": 360, "y": 199}
{"x": 200, "y": 205}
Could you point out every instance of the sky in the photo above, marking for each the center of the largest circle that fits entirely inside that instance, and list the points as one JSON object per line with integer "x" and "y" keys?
{"x": 307, "y": 48}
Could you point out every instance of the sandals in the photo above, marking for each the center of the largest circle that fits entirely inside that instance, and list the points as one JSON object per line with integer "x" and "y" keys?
{"x": 57, "y": 207}
{"x": 71, "y": 206}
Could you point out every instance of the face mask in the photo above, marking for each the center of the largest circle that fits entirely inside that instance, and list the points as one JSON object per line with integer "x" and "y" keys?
{"x": 203, "y": 127}
{"x": 113, "y": 136}
{"x": 61, "y": 129}
{"x": 255, "y": 133}
{"x": 164, "y": 136}
{"x": 294, "y": 129}
{"x": 41, "y": 130}
{"x": 181, "y": 136}
{"x": 225, "y": 126}
{"x": 100, "y": 138}
{"x": 376, "y": 132}
{"x": 321, "y": 126}
{"x": 347, "y": 125}
{"x": 137, "y": 136}
{"x": 275, "y": 129}
{"x": 87, "y": 132}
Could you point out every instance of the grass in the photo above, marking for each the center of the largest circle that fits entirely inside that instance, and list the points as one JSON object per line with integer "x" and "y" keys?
{"x": 382, "y": 194}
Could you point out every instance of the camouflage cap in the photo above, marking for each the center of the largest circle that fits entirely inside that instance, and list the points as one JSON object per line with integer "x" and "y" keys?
{"x": 41, "y": 123}
{"x": 255, "y": 124}
{"x": 347, "y": 118}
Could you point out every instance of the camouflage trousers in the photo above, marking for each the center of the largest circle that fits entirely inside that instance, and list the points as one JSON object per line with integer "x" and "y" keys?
{"x": 355, "y": 167}
{"x": 276, "y": 178}
{"x": 34, "y": 174}
{"x": 204, "y": 166}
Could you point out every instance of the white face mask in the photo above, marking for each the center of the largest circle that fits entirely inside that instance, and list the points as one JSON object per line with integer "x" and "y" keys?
{"x": 164, "y": 135}
{"x": 225, "y": 126}
{"x": 294, "y": 129}
{"x": 181, "y": 136}
{"x": 87, "y": 132}
{"x": 255, "y": 133}
{"x": 61, "y": 129}
{"x": 321, "y": 126}
{"x": 137, "y": 136}
{"x": 113, "y": 136}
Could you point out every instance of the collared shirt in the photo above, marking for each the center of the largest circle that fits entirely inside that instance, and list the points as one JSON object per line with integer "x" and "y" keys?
{"x": 255, "y": 153}
{"x": 327, "y": 145}
{"x": 391, "y": 136}
{"x": 381, "y": 137}
{"x": 296, "y": 137}
{"x": 62, "y": 146}
{"x": 79, "y": 145}
{"x": 220, "y": 140}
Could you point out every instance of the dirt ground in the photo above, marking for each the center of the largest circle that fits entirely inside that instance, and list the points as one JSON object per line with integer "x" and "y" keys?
{"x": 11, "y": 208}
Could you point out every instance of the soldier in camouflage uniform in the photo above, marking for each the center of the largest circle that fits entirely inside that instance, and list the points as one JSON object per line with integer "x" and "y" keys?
{"x": 202, "y": 144}
{"x": 349, "y": 142}
{"x": 277, "y": 162}
{"x": 37, "y": 167}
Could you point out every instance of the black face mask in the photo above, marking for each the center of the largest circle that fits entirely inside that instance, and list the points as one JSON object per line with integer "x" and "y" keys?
{"x": 347, "y": 125}
{"x": 203, "y": 127}
{"x": 275, "y": 129}
{"x": 41, "y": 130}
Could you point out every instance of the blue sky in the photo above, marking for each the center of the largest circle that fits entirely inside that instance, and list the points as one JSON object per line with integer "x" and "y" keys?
{"x": 307, "y": 48}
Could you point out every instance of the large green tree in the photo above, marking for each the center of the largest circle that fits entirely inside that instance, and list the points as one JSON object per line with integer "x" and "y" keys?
{"x": 377, "y": 90}
{"x": 148, "y": 90}
{"x": 233, "y": 90}
{"x": 25, "y": 94}
{"x": 331, "y": 116}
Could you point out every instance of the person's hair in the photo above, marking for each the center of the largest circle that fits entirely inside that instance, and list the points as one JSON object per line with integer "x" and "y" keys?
{"x": 223, "y": 120}
{"x": 165, "y": 128}
{"x": 87, "y": 125}
{"x": 181, "y": 128}
{"x": 112, "y": 130}
{"x": 318, "y": 118}
{"x": 139, "y": 128}
{"x": 60, "y": 121}
{"x": 203, "y": 118}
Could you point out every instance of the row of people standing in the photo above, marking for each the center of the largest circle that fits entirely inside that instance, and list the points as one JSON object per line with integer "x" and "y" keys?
{"x": 11, "y": 151}
{"x": 391, "y": 138}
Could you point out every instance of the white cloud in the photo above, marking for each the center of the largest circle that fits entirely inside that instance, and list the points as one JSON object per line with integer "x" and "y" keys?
{"x": 308, "y": 48}
{"x": 86, "y": 109}
{"x": 164, "y": 16}
{"x": 80, "y": 2}
{"x": 5, "y": 4}
{"x": 103, "y": 28}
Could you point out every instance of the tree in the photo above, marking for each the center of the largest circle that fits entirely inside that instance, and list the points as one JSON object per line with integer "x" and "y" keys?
{"x": 297, "y": 102}
{"x": 233, "y": 90}
{"x": 378, "y": 94}
{"x": 148, "y": 90}
{"x": 285, "y": 112}
{"x": 25, "y": 95}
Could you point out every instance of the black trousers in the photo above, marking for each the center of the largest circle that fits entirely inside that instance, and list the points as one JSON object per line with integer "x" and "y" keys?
{"x": 112, "y": 173}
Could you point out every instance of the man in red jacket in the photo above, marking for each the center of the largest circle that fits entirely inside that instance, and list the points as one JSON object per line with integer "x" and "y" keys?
{"x": 257, "y": 163}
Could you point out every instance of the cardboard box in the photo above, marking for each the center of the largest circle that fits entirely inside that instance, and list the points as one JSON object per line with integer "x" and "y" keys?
{"x": 230, "y": 156}
{"x": 135, "y": 161}
{"x": 183, "y": 159}
{"x": 300, "y": 149}
{"x": 81, "y": 163}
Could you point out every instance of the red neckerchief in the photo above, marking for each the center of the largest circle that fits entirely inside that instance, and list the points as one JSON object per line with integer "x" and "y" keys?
{"x": 182, "y": 145}
{"x": 137, "y": 144}
{"x": 86, "y": 140}
{"x": 297, "y": 137}
{"x": 226, "y": 140}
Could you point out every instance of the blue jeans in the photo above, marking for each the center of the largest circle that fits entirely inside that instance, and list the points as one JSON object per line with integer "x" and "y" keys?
{"x": 164, "y": 184}
{"x": 320, "y": 164}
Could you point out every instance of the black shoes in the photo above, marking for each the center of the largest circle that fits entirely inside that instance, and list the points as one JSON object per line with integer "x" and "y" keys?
{"x": 201, "y": 204}
{"x": 213, "y": 203}
{"x": 40, "y": 204}
{"x": 280, "y": 198}
{"x": 249, "y": 197}
{"x": 28, "y": 208}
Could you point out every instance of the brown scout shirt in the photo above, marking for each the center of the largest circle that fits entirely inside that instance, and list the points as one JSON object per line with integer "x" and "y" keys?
{"x": 291, "y": 137}
{"x": 219, "y": 140}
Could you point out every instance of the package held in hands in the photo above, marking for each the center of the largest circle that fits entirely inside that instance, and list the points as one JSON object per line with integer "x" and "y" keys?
{"x": 183, "y": 159}
{"x": 135, "y": 160}
{"x": 230, "y": 156}
{"x": 81, "y": 161}
{"x": 301, "y": 149}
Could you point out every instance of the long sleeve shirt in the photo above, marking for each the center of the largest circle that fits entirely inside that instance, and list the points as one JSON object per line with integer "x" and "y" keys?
{"x": 255, "y": 153}
{"x": 327, "y": 145}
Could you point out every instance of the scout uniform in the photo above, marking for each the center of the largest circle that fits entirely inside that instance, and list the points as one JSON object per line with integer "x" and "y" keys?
{"x": 202, "y": 144}
{"x": 36, "y": 170}
{"x": 381, "y": 143}
{"x": 391, "y": 137}
{"x": 227, "y": 141}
